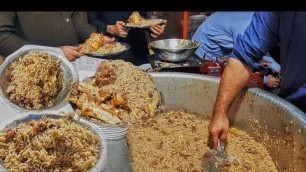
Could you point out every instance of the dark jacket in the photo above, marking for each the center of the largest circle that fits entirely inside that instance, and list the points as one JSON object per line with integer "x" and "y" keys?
{"x": 41, "y": 28}
{"x": 136, "y": 37}
{"x": 293, "y": 38}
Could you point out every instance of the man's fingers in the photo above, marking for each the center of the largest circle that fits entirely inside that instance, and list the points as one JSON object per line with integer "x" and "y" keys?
{"x": 165, "y": 22}
{"x": 126, "y": 29}
{"x": 154, "y": 31}
{"x": 76, "y": 48}
{"x": 108, "y": 39}
{"x": 121, "y": 31}
{"x": 77, "y": 54}
{"x": 123, "y": 34}
{"x": 158, "y": 28}
{"x": 120, "y": 23}
{"x": 71, "y": 57}
{"x": 223, "y": 137}
{"x": 153, "y": 35}
{"x": 214, "y": 137}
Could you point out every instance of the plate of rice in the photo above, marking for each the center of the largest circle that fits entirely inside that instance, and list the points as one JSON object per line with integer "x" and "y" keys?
{"x": 35, "y": 80}
{"x": 50, "y": 142}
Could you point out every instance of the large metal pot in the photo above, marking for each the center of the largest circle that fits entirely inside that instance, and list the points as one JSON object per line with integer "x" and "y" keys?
{"x": 266, "y": 117}
{"x": 174, "y": 50}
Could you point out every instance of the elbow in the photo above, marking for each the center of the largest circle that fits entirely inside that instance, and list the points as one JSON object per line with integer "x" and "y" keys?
{"x": 247, "y": 59}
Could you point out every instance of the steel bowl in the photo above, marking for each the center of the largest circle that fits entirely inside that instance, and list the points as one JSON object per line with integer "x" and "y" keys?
{"x": 69, "y": 71}
{"x": 174, "y": 50}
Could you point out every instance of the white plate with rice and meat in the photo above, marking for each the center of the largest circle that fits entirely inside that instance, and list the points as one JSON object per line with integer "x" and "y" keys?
{"x": 49, "y": 142}
{"x": 36, "y": 80}
{"x": 118, "y": 95}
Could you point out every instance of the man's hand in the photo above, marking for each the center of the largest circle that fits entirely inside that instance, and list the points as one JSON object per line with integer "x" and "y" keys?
{"x": 118, "y": 29}
{"x": 108, "y": 39}
{"x": 273, "y": 82}
{"x": 218, "y": 128}
{"x": 71, "y": 52}
{"x": 234, "y": 78}
{"x": 158, "y": 29}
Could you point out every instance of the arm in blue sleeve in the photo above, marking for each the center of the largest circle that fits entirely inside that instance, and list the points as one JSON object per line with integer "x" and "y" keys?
{"x": 258, "y": 39}
{"x": 93, "y": 19}
{"x": 274, "y": 66}
{"x": 265, "y": 80}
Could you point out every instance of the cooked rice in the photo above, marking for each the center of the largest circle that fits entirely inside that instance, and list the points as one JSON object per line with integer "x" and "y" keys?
{"x": 124, "y": 80}
{"x": 49, "y": 145}
{"x": 135, "y": 20}
{"x": 35, "y": 80}
{"x": 111, "y": 48}
{"x": 95, "y": 44}
{"x": 177, "y": 141}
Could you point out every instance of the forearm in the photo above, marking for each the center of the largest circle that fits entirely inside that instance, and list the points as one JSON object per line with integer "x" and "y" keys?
{"x": 94, "y": 20}
{"x": 234, "y": 78}
{"x": 259, "y": 37}
{"x": 110, "y": 29}
{"x": 9, "y": 43}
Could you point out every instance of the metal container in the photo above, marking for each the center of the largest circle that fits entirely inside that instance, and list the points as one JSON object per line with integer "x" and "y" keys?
{"x": 271, "y": 120}
{"x": 69, "y": 71}
{"x": 174, "y": 50}
{"x": 13, "y": 122}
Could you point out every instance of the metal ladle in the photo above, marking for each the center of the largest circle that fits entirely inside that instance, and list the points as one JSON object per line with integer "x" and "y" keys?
{"x": 216, "y": 160}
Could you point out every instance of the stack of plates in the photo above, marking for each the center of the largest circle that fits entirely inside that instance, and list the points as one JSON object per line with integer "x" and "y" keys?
{"x": 113, "y": 132}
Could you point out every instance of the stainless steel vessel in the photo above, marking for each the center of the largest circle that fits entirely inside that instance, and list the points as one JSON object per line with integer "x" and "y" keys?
{"x": 266, "y": 117}
{"x": 174, "y": 50}
{"x": 69, "y": 72}
{"x": 13, "y": 122}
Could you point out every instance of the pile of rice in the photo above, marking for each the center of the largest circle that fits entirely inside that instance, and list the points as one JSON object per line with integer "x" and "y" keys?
{"x": 49, "y": 145}
{"x": 122, "y": 82}
{"x": 135, "y": 20}
{"x": 96, "y": 44}
{"x": 35, "y": 80}
{"x": 177, "y": 141}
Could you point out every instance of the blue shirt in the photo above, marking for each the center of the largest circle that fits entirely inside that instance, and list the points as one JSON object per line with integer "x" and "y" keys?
{"x": 218, "y": 34}
{"x": 262, "y": 34}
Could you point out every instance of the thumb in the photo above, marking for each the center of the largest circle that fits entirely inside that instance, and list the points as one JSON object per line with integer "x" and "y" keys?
{"x": 75, "y": 47}
{"x": 108, "y": 39}
{"x": 214, "y": 137}
{"x": 120, "y": 23}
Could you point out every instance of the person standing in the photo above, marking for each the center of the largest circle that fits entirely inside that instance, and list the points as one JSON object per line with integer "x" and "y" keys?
{"x": 57, "y": 29}
{"x": 265, "y": 30}
{"x": 218, "y": 34}
{"x": 112, "y": 24}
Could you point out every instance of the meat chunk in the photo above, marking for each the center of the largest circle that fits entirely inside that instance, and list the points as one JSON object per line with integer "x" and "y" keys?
{"x": 106, "y": 75}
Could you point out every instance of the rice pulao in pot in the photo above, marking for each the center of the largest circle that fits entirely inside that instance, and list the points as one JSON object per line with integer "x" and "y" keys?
{"x": 271, "y": 120}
